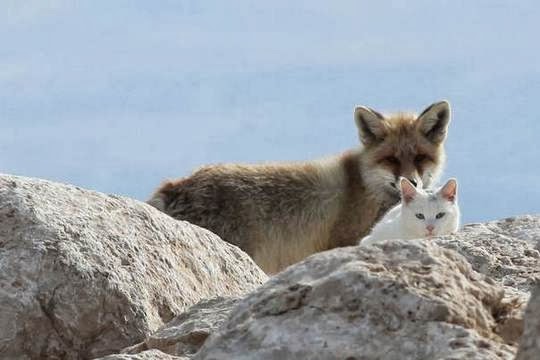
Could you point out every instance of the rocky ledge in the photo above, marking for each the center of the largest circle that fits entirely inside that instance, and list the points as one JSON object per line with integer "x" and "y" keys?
{"x": 86, "y": 275}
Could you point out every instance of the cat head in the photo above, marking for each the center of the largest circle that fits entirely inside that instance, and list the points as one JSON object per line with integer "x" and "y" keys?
{"x": 427, "y": 213}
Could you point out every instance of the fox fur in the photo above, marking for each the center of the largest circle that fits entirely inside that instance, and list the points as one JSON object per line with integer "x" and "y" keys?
{"x": 281, "y": 213}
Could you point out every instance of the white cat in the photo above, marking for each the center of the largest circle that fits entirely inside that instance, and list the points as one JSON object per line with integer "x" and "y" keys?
{"x": 421, "y": 213}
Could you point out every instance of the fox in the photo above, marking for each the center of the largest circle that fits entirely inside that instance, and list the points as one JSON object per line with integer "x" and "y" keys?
{"x": 280, "y": 213}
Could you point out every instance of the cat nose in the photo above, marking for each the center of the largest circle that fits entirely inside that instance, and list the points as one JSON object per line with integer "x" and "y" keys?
{"x": 430, "y": 228}
{"x": 413, "y": 182}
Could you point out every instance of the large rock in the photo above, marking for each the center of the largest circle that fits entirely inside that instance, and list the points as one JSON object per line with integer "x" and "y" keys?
{"x": 506, "y": 250}
{"x": 529, "y": 348}
{"x": 396, "y": 300}
{"x": 83, "y": 274}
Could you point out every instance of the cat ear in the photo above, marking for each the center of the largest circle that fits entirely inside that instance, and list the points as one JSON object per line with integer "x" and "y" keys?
{"x": 433, "y": 122}
{"x": 408, "y": 191}
{"x": 449, "y": 190}
{"x": 370, "y": 125}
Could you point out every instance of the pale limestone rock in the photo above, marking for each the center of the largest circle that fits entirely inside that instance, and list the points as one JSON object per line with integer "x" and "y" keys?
{"x": 145, "y": 355}
{"x": 84, "y": 274}
{"x": 506, "y": 250}
{"x": 395, "y": 300}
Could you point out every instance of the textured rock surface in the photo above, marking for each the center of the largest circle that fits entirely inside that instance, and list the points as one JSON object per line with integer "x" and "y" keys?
{"x": 83, "y": 274}
{"x": 145, "y": 355}
{"x": 529, "y": 348}
{"x": 506, "y": 250}
{"x": 396, "y": 300}
{"x": 185, "y": 334}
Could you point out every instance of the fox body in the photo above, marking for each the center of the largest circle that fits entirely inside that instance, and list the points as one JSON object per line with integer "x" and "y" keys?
{"x": 281, "y": 213}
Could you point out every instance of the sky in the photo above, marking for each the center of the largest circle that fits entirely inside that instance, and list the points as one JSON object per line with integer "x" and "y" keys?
{"x": 116, "y": 96}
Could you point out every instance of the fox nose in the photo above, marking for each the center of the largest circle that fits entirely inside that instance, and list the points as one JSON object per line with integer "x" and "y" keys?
{"x": 430, "y": 228}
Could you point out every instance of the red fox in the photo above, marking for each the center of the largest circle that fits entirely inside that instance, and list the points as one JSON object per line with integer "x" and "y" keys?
{"x": 281, "y": 213}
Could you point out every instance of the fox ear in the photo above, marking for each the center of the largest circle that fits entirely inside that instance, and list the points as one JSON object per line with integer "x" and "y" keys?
{"x": 449, "y": 190}
{"x": 408, "y": 191}
{"x": 433, "y": 121}
{"x": 370, "y": 125}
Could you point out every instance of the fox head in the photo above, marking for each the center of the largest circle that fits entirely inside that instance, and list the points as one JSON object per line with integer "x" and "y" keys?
{"x": 402, "y": 145}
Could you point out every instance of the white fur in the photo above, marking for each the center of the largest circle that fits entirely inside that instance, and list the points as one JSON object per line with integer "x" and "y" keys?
{"x": 401, "y": 221}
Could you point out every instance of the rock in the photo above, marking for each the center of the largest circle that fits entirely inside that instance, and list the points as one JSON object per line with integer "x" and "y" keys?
{"x": 146, "y": 355}
{"x": 84, "y": 274}
{"x": 529, "y": 348}
{"x": 185, "y": 334}
{"x": 506, "y": 250}
{"x": 395, "y": 300}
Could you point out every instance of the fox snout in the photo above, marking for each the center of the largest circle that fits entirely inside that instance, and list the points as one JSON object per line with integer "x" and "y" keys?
{"x": 414, "y": 179}
{"x": 410, "y": 171}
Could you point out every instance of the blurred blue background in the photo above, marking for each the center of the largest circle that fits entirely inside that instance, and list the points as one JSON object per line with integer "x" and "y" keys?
{"x": 118, "y": 95}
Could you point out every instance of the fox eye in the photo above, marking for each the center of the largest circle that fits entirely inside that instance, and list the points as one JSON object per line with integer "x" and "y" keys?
{"x": 420, "y": 216}
{"x": 420, "y": 158}
{"x": 439, "y": 215}
{"x": 392, "y": 160}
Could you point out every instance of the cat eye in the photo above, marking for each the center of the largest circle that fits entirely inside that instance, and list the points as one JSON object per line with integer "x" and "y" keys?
{"x": 392, "y": 160}
{"x": 439, "y": 215}
{"x": 420, "y": 216}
